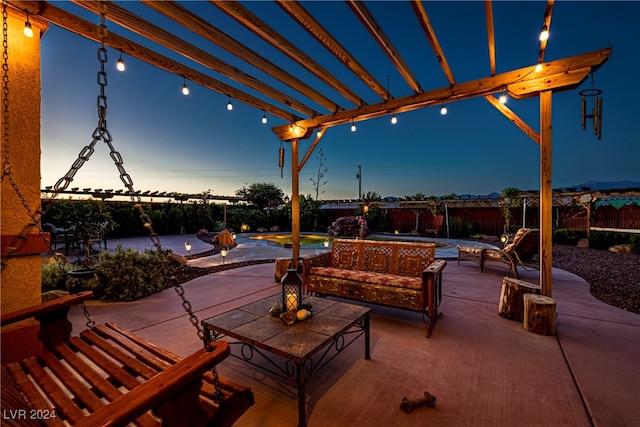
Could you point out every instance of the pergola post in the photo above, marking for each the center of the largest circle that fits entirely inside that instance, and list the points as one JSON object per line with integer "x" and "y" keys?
{"x": 546, "y": 201}
{"x": 295, "y": 203}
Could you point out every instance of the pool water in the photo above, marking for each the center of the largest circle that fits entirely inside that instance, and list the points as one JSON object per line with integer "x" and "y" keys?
{"x": 311, "y": 241}
{"x": 317, "y": 241}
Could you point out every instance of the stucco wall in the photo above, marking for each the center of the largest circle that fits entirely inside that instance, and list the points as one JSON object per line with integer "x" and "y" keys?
{"x": 20, "y": 281}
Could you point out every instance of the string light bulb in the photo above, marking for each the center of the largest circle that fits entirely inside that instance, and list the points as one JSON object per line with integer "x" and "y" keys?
{"x": 264, "y": 118}
{"x": 353, "y": 127}
{"x": 538, "y": 67}
{"x": 394, "y": 119}
{"x": 185, "y": 89}
{"x": 503, "y": 98}
{"x": 544, "y": 34}
{"x": 229, "y": 104}
{"x": 443, "y": 110}
{"x": 120, "y": 65}
{"x": 28, "y": 31}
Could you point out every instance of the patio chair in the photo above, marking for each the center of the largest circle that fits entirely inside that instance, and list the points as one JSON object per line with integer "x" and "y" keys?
{"x": 60, "y": 236}
{"x": 435, "y": 225}
{"x": 522, "y": 251}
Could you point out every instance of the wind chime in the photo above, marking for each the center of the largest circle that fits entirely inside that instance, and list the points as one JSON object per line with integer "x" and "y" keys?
{"x": 281, "y": 159}
{"x": 592, "y": 95}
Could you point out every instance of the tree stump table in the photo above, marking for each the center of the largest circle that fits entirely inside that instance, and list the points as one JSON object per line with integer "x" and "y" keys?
{"x": 282, "y": 265}
{"x": 539, "y": 314}
{"x": 511, "y": 298}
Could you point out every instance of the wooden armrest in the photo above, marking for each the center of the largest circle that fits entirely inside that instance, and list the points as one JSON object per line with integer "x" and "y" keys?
{"x": 44, "y": 308}
{"x": 158, "y": 389}
{"x": 436, "y": 266}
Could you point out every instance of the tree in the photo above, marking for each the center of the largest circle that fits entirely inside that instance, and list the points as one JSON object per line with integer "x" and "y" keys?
{"x": 511, "y": 199}
{"x": 262, "y": 194}
{"x": 317, "y": 183}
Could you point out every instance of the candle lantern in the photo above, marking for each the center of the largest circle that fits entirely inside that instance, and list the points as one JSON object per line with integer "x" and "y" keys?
{"x": 291, "y": 291}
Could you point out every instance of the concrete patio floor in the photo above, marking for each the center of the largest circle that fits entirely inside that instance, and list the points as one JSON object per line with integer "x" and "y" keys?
{"x": 483, "y": 369}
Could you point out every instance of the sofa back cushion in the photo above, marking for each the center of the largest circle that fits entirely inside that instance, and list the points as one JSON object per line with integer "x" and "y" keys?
{"x": 401, "y": 258}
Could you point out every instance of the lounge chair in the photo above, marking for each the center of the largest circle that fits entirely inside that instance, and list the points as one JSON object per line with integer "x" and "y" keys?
{"x": 522, "y": 251}
{"x": 435, "y": 225}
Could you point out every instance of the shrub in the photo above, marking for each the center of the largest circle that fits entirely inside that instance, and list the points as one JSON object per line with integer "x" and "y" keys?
{"x": 634, "y": 241}
{"x": 606, "y": 239}
{"x": 127, "y": 274}
{"x": 54, "y": 275}
{"x": 565, "y": 236}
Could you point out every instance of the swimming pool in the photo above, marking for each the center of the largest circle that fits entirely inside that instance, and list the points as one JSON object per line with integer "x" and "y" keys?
{"x": 319, "y": 241}
{"x": 310, "y": 241}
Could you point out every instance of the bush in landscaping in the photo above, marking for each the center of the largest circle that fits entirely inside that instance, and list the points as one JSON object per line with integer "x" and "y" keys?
{"x": 565, "y": 236}
{"x": 54, "y": 275}
{"x": 605, "y": 239}
{"x": 127, "y": 274}
{"x": 634, "y": 241}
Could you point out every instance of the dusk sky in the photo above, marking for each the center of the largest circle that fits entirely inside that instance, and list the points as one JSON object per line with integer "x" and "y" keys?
{"x": 190, "y": 144}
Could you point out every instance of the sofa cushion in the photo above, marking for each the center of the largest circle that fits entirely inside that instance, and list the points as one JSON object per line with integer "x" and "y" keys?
{"x": 369, "y": 277}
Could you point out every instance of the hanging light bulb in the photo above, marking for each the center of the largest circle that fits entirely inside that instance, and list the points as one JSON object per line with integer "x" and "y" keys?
{"x": 185, "y": 89}
{"x": 503, "y": 98}
{"x": 229, "y": 104}
{"x": 28, "y": 31}
{"x": 120, "y": 65}
{"x": 394, "y": 119}
{"x": 443, "y": 110}
{"x": 544, "y": 34}
{"x": 353, "y": 127}
{"x": 291, "y": 127}
{"x": 538, "y": 67}
{"x": 264, "y": 118}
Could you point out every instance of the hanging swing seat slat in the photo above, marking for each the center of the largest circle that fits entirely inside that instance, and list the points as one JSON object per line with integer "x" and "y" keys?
{"x": 107, "y": 375}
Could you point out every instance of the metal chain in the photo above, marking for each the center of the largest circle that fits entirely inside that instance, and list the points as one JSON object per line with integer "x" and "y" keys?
{"x": 90, "y": 323}
{"x": 219, "y": 395}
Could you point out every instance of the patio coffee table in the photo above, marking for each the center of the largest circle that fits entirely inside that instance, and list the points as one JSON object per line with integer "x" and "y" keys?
{"x": 305, "y": 346}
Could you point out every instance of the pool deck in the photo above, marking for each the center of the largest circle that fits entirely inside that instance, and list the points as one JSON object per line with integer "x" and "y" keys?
{"x": 483, "y": 369}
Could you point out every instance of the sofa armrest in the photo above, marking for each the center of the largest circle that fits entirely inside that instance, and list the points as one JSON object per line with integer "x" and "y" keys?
{"x": 321, "y": 260}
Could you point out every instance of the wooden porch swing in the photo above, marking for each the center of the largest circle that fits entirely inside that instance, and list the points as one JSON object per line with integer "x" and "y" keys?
{"x": 105, "y": 375}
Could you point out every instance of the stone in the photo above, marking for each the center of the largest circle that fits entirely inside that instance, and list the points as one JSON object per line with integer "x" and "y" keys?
{"x": 620, "y": 249}
{"x": 224, "y": 238}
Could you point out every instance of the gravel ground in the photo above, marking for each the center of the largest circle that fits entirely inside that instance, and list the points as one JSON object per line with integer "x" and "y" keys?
{"x": 614, "y": 278}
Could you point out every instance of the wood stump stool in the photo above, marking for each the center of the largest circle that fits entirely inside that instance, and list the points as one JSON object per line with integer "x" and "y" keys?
{"x": 539, "y": 314}
{"x": 282, "y": 265}
{"x": 511, "y": 303}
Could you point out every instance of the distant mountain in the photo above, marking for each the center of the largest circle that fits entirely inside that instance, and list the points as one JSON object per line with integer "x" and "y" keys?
{"x": 611, "y": 185}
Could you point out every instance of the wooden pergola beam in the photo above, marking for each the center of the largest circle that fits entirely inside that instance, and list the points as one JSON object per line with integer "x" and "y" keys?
{"x": 132, "y": 22}
{"x": 254, "y": 24}
{"x": 313, "y": 27}
{"x": 204, "y": 29}
{"x": 547, "y": 23}
{"x": 559, "y": 75}
{"x": 425, "y": 23}
{"x": 491, "y": 37}
{"x": 376, "y": 31}
{"x": 514, "y": 118}
{"x": 77, "y": 25}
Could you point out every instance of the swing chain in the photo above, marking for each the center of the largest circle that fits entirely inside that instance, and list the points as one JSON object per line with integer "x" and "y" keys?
{"x": 219, "y": 395}
{"x": 90, "y": 323}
